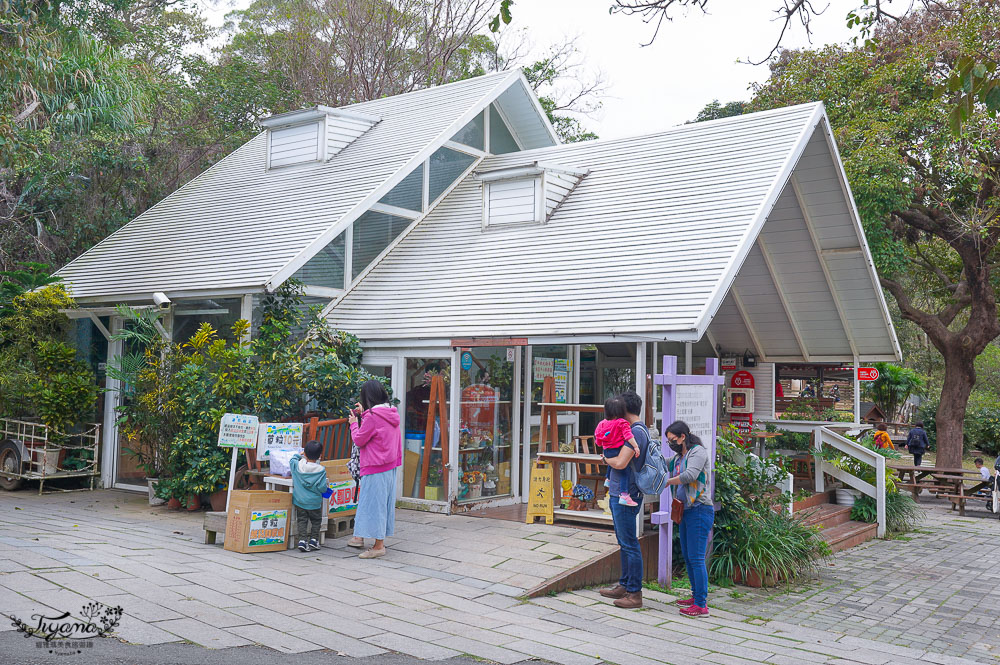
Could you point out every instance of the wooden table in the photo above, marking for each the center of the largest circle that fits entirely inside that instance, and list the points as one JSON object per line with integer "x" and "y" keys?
{"x": 947, "y": 483}
{"x": 761, "y": 438}
{"x": 593, "y": 516}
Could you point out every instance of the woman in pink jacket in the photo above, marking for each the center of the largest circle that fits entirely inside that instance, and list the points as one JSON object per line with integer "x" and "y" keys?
{"x": 375, "y": 431}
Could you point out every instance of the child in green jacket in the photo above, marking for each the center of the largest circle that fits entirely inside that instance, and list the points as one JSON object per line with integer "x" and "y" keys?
{"x": 309, "y": 487}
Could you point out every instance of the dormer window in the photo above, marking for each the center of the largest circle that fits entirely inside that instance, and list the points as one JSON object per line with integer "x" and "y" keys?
{"x": 525, "y": 195}
{"x": 312, "y": 135}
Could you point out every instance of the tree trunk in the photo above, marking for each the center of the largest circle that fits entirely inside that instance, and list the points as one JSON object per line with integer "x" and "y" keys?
{"x": 959, "y": 380}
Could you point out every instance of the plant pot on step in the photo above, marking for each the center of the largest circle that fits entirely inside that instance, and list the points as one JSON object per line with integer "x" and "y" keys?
{"x": 174, "y": 504}
{"x": 847, "y": 496}
{"x": 154, "y": 500}
{"x": 193, "y": 502}
{"x": 218, "y": 500}
{"x": 577, "y": 504}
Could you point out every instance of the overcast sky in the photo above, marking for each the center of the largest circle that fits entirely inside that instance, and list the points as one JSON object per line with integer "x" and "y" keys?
{"x": 692, "y": 61}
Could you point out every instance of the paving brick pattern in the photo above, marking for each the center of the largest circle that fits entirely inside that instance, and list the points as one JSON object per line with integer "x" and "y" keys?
{"x": 935, "y": 590}
{"x": 452, "y": 586}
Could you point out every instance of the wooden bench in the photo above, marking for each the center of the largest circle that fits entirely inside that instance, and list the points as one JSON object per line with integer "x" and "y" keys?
{"x": 916, "y": 487}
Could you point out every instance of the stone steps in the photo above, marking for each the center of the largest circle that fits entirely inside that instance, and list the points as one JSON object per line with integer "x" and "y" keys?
{"x": 837, "y": 528}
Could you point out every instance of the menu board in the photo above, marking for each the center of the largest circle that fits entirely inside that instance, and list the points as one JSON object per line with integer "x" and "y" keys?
{"x": 695, "y": 404}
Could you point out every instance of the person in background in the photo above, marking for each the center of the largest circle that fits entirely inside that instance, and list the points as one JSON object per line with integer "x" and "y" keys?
{"x": 984, "y": 471}
{"x": 309, "y": 486}
{"x": 627, "y": 594}
{"x": 882, "y": 439}
{"x": 374, "y": 426}
{"x": 917, "y": 443}
{"x": 689, "y": 471}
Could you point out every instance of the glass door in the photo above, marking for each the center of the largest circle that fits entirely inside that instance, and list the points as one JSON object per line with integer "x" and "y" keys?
{"x": 126, "y": 474}
{"x": 425, "y": 400}
{"x": 561, "y": 362}
{"x": 488, "y": 420}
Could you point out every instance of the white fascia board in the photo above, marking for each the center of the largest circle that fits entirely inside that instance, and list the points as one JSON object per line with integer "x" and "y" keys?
{"x": 147, "y": 296}
{"x": 312, "y": 114}
{"x": 348, "y": 218}
{"x": 533, "y": 340}
{"x": 747, "y": 242}
{"x": 860, "y": 231}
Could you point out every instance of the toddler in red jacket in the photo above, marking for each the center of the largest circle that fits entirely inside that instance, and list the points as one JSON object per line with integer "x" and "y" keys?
{"x": 612, "y": 434}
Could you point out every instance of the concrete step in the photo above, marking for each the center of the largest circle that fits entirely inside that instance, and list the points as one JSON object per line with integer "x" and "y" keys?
{"x": 849, "y": 534}
{"x": 813, "y": 501}
{"x": 824, "y": 515}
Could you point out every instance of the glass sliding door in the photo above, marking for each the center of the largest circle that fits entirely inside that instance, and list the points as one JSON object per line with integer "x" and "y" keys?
{"x": 425, "y": 399}
{"x": 488, "y": 420}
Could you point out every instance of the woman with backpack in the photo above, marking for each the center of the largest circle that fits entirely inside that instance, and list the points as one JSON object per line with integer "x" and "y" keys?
{"x": 690, "y": 471}
{"x": 375, "y": 431}
{"x": 917, "y": 443}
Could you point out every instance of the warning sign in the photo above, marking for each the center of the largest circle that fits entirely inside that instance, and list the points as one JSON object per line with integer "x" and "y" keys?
{"x": 540, "y": 497}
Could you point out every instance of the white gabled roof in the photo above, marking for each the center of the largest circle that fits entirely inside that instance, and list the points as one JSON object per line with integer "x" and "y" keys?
{"x": 646, "y": 247}
{"x": 238, "y": 227}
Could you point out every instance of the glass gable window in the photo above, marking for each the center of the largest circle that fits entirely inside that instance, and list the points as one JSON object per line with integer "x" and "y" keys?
{"x": 501, "y": 140}
{"x": 326, "y": 268}
{"x": 446, "y": 165}
{"x": 472, "y": 134}
{"x": 408, "y": 193}
{"x": 373, "y": 231}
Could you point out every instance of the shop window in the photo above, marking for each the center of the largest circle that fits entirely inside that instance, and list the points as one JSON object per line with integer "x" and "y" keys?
{"x": 486, "y": 409}
{"x": 501, "y": 140}
{"x": 326, "y": 268}
{"x": 422, "y": 433}
{"x": 221, "y": 313}
{"x": 446, "y": 165}
{"x": 373, "y": 232}
{"x": 409, "y": 193}
{"x": 472, "y": 134}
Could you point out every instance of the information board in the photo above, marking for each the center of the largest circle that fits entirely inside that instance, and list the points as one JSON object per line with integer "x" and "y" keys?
{"x": 540, "y": 500}
{"x": 695, "y": 406}
{"x": 238, "y": 431}
{"x": 560, "y": 372}
{"x": 542, "y": 367}
{"x": 278, "y": 436}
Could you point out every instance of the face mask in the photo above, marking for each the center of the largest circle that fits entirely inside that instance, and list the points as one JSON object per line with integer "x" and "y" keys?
{"x": 676, "y": 447}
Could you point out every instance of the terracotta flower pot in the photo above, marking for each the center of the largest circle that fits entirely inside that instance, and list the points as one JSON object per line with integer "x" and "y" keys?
{"x": 193, "y": 502}
{"x": 577, "y": 504}
{"x": 174, "y": 504}
{"x": 218, "y": 500}
{"x": 753, "y": 578}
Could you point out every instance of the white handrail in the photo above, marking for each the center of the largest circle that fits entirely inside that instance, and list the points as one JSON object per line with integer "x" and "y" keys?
{"x": 826, "y": 436}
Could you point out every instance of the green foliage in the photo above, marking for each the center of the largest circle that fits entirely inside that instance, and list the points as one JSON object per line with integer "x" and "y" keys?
{"x": 294, "y": 362}
{"x": 800, "y": 441}
{"x": 25, "y": 278}
{"x": 714, "y": 110}
{"x": 865, "y": 471}
{"x": 892, "y": 388}
{"x": 40, "y": 376}
{"x": 752, "y": 532}
{"x": 981, "y": 426}
{"x": 902, "y": 513}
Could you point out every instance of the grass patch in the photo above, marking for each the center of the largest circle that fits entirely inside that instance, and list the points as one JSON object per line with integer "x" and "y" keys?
{"x": 736, "y": 594}
{"x": 755, "y": 619}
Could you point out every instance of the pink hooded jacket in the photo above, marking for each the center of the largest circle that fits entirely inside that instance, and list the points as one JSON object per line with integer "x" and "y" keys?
{"x": 377, "y": 438}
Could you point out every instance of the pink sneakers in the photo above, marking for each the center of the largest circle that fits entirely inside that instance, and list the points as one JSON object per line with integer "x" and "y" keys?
{"x": 686, "y": 602}
{"x": 626, "y": 500}
{"x": 694, "y": 611}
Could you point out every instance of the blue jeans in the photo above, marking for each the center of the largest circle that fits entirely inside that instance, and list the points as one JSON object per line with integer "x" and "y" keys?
{"x": 628, "y": 543}
{"x": 694, "y": 529}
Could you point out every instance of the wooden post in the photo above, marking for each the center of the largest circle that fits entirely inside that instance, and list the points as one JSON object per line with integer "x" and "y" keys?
{"x": 438, "y": 399}
{"x": 549, "y": 426}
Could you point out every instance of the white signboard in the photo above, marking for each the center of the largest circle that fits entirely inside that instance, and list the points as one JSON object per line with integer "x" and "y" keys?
{"x": 694, "y": 406}
{"x": 238, "y": 431}
{"x": 278, "y": 436}
{"x": 542, "y": 367}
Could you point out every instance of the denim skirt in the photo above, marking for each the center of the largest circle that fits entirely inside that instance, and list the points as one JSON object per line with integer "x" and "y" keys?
{"x": 376, "y": 516}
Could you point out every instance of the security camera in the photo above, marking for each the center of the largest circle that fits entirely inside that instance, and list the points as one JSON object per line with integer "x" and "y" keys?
{"x": 161, "y": 300}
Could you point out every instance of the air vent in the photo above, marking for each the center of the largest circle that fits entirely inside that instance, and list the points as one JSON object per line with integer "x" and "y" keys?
{"x": 522, "y": 195}
{"x": 312, "y": 135}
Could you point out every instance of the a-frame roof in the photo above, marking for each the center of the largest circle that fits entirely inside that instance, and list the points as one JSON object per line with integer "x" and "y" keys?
{"x": 649, "y": 246}
{"x": 238, "y": 227}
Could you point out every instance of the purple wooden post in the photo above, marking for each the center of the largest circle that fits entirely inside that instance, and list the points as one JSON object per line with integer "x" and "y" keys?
{"x": 670, "y": 379}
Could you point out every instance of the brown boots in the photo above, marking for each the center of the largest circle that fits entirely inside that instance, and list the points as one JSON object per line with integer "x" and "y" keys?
{"x": 616, "y": 591}
{"x": 624, "y": 599}
{"x": 630, "y": 601}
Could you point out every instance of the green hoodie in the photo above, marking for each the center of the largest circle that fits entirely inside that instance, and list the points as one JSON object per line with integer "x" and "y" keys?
{"x": 308, "y": 483}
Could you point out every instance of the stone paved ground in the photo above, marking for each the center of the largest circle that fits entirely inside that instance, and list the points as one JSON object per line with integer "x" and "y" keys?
{"x": 448, "y": 587}
{"x": 937, "y": 589}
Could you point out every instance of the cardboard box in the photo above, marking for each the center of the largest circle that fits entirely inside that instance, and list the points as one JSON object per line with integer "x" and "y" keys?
{"x": 258, "y": 521}
{"x": 342, "y": 503}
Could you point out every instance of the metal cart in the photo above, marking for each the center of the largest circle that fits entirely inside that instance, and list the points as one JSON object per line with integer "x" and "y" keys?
{"x": 32, "y": 451}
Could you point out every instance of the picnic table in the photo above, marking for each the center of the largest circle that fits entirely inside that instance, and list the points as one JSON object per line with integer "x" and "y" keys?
{"x": 944, "y": 483}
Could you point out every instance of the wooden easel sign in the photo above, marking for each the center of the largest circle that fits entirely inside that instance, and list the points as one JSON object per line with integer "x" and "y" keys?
{"x": 540, "y": 499}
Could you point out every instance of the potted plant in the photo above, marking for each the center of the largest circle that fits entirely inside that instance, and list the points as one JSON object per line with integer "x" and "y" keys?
{"x": 582, "y": 496}
{"x": 434, "y": 488}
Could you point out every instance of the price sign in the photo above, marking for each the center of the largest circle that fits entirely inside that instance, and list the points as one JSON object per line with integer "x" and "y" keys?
{"x": 867, "y": 374}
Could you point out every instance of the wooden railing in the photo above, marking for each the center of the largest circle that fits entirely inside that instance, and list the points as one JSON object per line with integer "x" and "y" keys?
{"x": 825, "y": 436}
